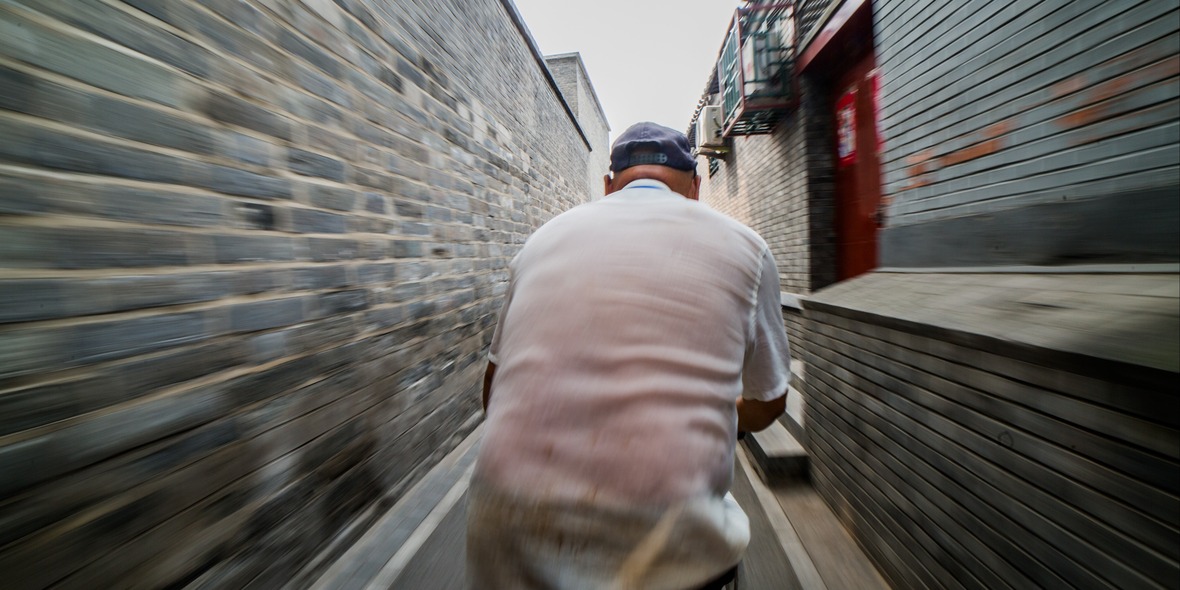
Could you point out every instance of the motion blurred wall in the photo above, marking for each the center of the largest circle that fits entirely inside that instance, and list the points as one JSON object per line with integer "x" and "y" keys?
{"x": 994, "y": 406}
{"x": 250, "y": 253}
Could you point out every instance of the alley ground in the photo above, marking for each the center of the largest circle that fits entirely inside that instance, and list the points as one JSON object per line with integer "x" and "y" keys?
{"x": 418, "y": 544}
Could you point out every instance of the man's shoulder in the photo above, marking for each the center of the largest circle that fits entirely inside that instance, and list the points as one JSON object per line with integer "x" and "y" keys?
{"x": 733, "y": 226}
{"x": 566, "y": 217}
{"x": 561, "y": 224}
{"x": 602, "y": 210}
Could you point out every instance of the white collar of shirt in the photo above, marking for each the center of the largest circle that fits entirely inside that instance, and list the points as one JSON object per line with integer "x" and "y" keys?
{"x": 646, "y": 183}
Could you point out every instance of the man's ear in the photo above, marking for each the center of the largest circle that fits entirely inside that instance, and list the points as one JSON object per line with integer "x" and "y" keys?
{"x": 696, "y": 187}
{"x": 606, "y": 183}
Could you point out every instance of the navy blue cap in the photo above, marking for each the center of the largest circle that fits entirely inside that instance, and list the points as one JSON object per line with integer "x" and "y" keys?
{"x": 649, "y": 143}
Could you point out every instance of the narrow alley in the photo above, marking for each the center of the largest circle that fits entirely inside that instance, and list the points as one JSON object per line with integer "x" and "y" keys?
{"x": 253, "y": 254}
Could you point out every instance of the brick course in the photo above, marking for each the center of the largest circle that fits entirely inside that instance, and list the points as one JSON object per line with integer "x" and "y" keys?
{"x": 779, "y": 185}
{"x": 250, "y": 254}
{"x": 570, "y": 74}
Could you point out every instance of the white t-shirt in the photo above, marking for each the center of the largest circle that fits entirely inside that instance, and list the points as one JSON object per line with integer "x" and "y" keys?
{"x": 630, "y": 327}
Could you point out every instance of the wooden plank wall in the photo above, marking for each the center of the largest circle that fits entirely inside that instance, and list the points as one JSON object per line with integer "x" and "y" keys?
{"x": 957, "y": 467}
{"x": 998, "y": 106}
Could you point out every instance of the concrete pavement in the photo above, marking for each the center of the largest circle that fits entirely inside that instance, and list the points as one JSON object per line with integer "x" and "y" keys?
{"x": 419, "y": 543}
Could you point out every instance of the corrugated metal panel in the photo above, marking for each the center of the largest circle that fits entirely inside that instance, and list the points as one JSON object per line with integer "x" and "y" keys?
{"x": 997, "y": 105}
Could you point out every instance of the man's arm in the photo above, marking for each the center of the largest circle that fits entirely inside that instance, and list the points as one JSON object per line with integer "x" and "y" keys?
{"x": 754, "y": 415}
{"x": 488, "y": 375}
{"x": 766, "y": 369}
{"x": 494, "y": 345}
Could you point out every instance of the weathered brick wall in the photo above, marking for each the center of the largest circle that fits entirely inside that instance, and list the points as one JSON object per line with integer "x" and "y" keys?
{"x": 761, "y": 184}
{"x": 819, "y": 148}
{"x": 250, "y": 253}
{"x": 780, "y": 185}
{"x": 1036, "y": 133}
{"x": 570, "y": 74}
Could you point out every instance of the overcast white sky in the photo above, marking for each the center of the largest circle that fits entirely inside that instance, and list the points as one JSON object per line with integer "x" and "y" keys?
{"x": 648, "y": 60}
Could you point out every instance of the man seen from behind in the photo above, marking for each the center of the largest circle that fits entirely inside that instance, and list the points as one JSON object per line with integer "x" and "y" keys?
{"x": 639, "y": 334}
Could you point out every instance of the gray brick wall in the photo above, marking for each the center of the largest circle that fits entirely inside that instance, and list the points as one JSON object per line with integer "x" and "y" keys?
{"x": 760, "y": 186}
{"x": 250, "y": 253}
{"x": 819, "y": 145}
{"x": 564, "y": 68}
{"x": 570, "y": 73}
{"x": 780, "y": 185}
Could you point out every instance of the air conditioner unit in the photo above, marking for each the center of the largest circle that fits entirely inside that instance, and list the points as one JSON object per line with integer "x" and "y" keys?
{"x": 709, "y": 128}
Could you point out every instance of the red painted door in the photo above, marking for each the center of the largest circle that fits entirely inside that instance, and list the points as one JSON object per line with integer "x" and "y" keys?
{"x": 858, "y": 169}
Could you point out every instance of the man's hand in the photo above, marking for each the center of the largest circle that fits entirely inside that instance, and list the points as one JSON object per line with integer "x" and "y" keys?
{"x": 488, "y": 375}
{"x": 754, "y": 415}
